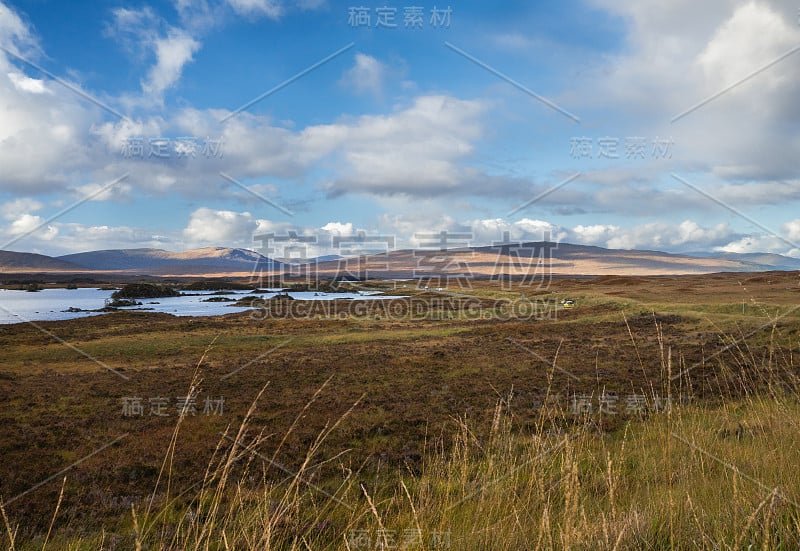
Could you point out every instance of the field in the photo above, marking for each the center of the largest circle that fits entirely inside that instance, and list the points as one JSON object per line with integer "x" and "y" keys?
{"x": 659, "y": 413}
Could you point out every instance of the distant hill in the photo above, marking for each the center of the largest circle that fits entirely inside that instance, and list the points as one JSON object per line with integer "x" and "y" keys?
{"x": 209, "y": 260}
{"x": 566, "y": 259}
{"x": 760, "y": 261}
{"x": 587, "y": 259}
{"x": 11, "y": 261}
{"x": 325, "y": 258}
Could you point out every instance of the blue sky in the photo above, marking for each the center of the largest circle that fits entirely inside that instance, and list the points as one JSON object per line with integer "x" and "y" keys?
{"x": 405, "y": 130}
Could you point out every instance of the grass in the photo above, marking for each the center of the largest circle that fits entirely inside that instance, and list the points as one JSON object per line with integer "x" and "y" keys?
{"x": 415, "y": 431}
{"x": 669, "y": 482}
{"x": 693, "y": 476}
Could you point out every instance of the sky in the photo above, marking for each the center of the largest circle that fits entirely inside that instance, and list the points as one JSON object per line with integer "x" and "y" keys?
{"x": 181, "y": 124}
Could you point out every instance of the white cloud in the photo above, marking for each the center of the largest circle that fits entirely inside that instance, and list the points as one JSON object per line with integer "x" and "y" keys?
{"x": 755, "y": 244}
{"x": 44, "y": 128}
{"x": 172, "y": 53}
{"x": 537, "y": 230}
{"x": 754, "y": 34}
{"x": 416, "y": 151}
{"x": 338, "y": 228}
{"x": 103, "y": 191}
{"x": 134, "y": 29}
{"x": 678, "y": 55}
{"x": 686, "y": 236}
{"x": 143, "y": 33}
{"x": 114, "y": 135}
{"x": 792, "y": 230}
{"x": 425, "y": 218}
{"x": 272, "y": 9}
{"x": 75, "y": 237}
{"x": 690, "y": 232}
{"x": 42, "y": 145}
{"x": 25, "y": 223}
{"x": 595, "y": 234}
{"x": 490, "y": 231}
{"x": 208, "y": 226}
{"x": 420, "y": 151}
{"x": 12, "y": 209}
{"x": 26, "y": 84}
{"x": 198, "y": 14}
{"x": 133, "y": 21}
{"x": 15, "y": 35}
{"x": 366, "y": 76}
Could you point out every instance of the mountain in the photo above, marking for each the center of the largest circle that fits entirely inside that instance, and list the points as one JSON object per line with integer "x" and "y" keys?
{"x": 565, "y": 259}
{"x": 209, "y": 260}
{"x": 759, "y": 261}
{"x": 11, "y": 261}
{"x": 325, "y": 258}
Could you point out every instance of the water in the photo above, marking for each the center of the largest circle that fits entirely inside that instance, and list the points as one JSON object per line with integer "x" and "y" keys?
{"x": 49, "y": 304}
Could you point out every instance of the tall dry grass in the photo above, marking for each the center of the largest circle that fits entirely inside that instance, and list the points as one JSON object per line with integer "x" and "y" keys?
{"x": 723, "y": 474}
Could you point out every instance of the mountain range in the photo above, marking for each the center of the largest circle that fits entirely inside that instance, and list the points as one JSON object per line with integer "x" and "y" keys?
{"x": 209, "y": 260}
{"x": 564, "y": 259}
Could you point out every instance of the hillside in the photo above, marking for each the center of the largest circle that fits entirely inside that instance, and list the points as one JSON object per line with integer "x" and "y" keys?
{"x": 566, "y": 260}
{"x": 11, "y": 261}
{"x": 767, "y": 261}
{"x": 209, "y": 260}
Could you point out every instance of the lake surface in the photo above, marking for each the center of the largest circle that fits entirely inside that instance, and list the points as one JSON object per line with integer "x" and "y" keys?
{"x": 49, "y": 304}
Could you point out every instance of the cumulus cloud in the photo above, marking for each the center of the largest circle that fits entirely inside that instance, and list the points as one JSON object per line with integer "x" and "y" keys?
{"x": 64, "y": 238}
{"x": 754, "y": 34}
{"x": 678, "y": 56}
{"x": 595, "y": 234}
{"x": 42, "y": 146}
{"x": 11, "y": 209}
{"x": 338, "y": 228}
{"x": 415, "y": 151}
{"x": 792, "y": 230}
{"x": 366, "y": 76}
{"x": 423, "y": 149}
{"x": 107, "y": 191}
{"x": 172, "y": 53}
{"x": 756, "y": 244}
{"x": 44, "y": 131}
{"x": 685, "y": 236}
{"x": 24, "y": 83}
{"x": 25, "y": 223}
{"x": 420, "y": 150}
{"x": 208, "y": 226}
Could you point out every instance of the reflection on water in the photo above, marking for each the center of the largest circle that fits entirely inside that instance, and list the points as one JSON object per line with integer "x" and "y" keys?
{"x": 50, "y": 304}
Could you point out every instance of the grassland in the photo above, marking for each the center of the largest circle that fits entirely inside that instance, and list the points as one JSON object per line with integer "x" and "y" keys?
{"x": 661, "y": 413}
